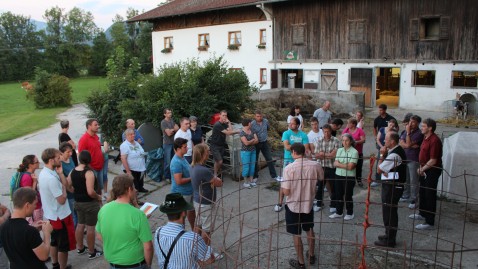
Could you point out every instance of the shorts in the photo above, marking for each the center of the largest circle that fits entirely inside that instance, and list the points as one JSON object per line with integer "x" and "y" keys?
{"x": 329, "y": 173}
{"x": 217, "y": 152}
{"x": 63, "y": 238}
{"x": 204, "y": 216}
{"x": 188, "y": 198}
{"x": 296, "y": 222}
{"x": 87, "y": 212}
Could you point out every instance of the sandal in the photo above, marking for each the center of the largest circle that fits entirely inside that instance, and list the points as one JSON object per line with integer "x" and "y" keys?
{"x": 295, "y": 264}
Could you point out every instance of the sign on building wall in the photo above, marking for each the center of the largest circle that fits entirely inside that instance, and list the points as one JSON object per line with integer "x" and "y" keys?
{"x": 290, "y": 55}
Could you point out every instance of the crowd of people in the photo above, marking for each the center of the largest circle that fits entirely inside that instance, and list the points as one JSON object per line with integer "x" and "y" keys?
{"x": 69, "y": 198}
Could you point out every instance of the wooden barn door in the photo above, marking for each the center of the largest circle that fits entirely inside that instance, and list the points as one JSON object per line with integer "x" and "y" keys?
{"x": 328, "y": 80}
{"x": 361, "y": 80}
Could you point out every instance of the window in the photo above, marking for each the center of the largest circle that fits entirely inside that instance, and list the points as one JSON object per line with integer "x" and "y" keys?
{"x": 203, "y": 40}
{"x": 430, "y": 28}
{"x": 235, "y": 38}
{"x": 263, "y": 76}
{"x": 262, "y": 37}
{"x": 298, "y": 34}
{"x": 466, "y": 79}
{"x": 423, "y": 78}
{"x": 168, "y": 42}
{"x": 357, "y": 31}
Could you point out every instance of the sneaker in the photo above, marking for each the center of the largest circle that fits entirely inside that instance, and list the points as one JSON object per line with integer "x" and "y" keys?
{"x": 360, "y": 184}
{"x": 278, "y": 208}
{"x": 254, "y": 180}
{"x": 424, "y": 226}
{"x": 416, "y": 217}
{"x": 81, "y": 251}
{"x": 335, "y": 216}
{"x": 332, "y": 210}
{"x": 246, "y": 185}
{"x": 104, "y": 197}
{"x": 316, "y": 208}
{"x": 168, "y": 180}
{"x": 278, "y": 179}
{"x": 311, "y": 258}
{"x": 349, "y": 217}
{"x": 295, "y": 264}
{"x": 95, "y": 254}
{"x": 325, "y": 189}
{"x": 253, "y": 184}
{"x": 412, "y": 205}
{"x": 374, "y": 184}
{"x": 218, "y": 256}
{"x": 403, "y": 200}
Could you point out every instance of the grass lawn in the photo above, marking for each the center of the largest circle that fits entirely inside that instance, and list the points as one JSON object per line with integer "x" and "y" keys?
{"x": 18, "y": 116}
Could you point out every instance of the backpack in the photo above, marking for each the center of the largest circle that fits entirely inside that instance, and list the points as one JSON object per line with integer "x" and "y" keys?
{"x": 15, "y": 183}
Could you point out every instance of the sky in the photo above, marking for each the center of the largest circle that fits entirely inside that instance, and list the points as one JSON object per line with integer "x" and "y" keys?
{"x": 103, "y": 10}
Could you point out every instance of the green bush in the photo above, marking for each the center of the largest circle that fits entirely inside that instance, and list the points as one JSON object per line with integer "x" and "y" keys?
{"x": 188, "y": 88}
{"x": 50, "y": 90}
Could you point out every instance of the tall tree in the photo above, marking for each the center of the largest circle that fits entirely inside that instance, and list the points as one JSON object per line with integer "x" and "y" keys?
{"x": 67, "y": 42}
{"x": 100, "y": 53}
{"x": 19, "y": 47}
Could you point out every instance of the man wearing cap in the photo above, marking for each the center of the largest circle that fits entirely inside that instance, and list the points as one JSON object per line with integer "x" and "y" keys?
{"x": 124, "y": 229}
{"x": 174, "y": 247}
{"x": 410, "y": 141}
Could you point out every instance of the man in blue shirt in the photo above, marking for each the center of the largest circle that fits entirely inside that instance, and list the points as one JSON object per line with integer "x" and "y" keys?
{"x": 181, "y": 179}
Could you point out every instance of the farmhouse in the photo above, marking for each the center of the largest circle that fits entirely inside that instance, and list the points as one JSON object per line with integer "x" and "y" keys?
{"x": 420, "y": 53}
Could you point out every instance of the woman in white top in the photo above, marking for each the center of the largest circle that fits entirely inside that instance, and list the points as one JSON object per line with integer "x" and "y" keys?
{"x": 132, "y": 158}
{"x": 295, "y": 112}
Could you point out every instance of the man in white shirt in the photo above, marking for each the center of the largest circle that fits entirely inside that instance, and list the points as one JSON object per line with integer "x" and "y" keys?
{"x": 315, "y": 134}
{"x": 52, "y": 185}
{"x": 185, "y": 133}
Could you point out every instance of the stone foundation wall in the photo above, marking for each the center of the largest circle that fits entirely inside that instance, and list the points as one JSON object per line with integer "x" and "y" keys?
{"x": 309, "y": 100}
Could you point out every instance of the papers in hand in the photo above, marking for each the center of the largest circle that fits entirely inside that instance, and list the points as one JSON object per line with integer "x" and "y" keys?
{"x": 148, "y": 208}
{"x": 390, "y": 176}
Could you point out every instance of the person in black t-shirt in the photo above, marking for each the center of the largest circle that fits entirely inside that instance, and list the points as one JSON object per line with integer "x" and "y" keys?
{"x": 218, "y": 139}
{"x": 22, "y": 243}
{"x": 64, "y": 137}
{"x": 380, "y": 121}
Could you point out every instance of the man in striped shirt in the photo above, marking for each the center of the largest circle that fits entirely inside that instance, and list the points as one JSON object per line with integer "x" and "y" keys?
{"x": 174, "y": 247}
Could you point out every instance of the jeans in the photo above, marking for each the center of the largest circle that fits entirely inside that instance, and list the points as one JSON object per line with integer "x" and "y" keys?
{"x": 391, "y": 193}
{"x": 266, "y": 151}
{"x": 105, "y": 171}
{"x": 428, "y": 195}
{"x": 411, "y": 187}
{"x": 71, "y": 203}
{"x": 344, "y": 189}
{"x": 168, "y": 155}
{"x": 99, "y": 177}
{"x": 248, "y": 159}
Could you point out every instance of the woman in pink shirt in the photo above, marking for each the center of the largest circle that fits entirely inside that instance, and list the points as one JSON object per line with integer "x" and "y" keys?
{"x": 359, "y": 136}
{"x": 28, "y": 166}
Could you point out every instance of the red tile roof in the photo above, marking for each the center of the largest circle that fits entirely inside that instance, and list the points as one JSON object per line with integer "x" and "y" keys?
{"x": 182, "y": 7}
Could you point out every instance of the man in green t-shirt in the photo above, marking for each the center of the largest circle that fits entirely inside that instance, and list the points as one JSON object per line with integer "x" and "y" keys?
{"x": 124, "y": 229}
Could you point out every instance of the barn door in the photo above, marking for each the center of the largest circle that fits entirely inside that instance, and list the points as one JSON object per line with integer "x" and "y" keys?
{"x": 361, "y": 80}
{"x": 328, "y": 80}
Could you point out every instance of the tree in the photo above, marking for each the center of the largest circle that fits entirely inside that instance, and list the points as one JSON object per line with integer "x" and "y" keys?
{"x": 67, "y": 40}
{"x": 50, "y": 90}
{"x": 19, "y": 47}
{"x": 189, "y": 88}
{"x": 100, "y": 53}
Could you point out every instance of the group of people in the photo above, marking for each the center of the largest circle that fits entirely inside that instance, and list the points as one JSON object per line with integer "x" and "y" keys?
{"x": 66, "y": 198}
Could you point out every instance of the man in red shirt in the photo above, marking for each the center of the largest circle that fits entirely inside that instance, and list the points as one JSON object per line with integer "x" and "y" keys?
{"x": 430, "y": 170}
{"x": 91, "y": 142}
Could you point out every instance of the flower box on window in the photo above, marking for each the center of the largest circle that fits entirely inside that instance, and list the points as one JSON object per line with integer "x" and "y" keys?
{"x": 233, "y": 47}
{"x": 261, "y": 46}
{"x": 202, "y": 48}
{"x": 166, "y": 50}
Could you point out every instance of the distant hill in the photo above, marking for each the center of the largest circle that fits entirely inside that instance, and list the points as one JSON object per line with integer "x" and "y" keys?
{"x": 39, "y": 24}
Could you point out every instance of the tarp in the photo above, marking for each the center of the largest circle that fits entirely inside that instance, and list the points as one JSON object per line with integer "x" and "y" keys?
{"x": 460, "y": 154}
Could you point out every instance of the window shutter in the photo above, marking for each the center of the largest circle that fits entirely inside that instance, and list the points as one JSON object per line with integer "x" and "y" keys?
{"x": 352, "y": 32}
{"x": 444, "y": 27}
{"x": 298, "y": 34}
{"x": 414, "y": 29}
